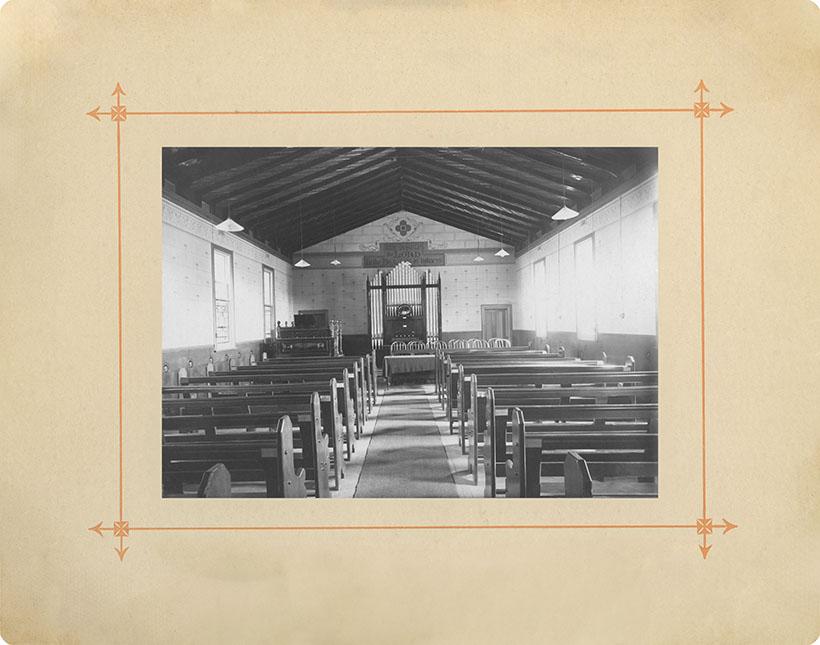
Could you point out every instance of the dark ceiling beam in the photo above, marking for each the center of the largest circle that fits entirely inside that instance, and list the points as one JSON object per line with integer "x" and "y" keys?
{"x": 487, "y": 185}
{"x": 227, "y": 176}
{"x": 370, "y": 189}
{"x": 616, "y": 159}
{"x": 271, "y": 176}
{"x": 571, "y": 163}
{"x": 185, "y": 166}
{"x": 494, "y": 207}
{"x": 412, "y": 187}
{"x": 316, "y": 178}
{"x": 308, "y": 209}
{"x": 298, "y": 194}
{"x": 520, "y": 212}
{"x": 562, "y": 175}
{"x": 422, "y": 206}
{"x": 266, "y": 188}
{"x": 488, "y": 160}
{"x": 507, "y": 179}
{"x": 476, "y": 222}
{"x": 349, "y": 222}
{"x": 504, "y": 240}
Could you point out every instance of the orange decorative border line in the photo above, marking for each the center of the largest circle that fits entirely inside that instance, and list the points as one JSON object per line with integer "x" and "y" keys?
{"x": 701, "y": 109}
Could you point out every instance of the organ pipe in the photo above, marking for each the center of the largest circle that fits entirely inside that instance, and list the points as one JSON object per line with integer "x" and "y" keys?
{"x": 403, "y": 285}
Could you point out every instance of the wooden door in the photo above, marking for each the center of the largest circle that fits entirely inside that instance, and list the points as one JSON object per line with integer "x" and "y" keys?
{"x": 496, "y": 321}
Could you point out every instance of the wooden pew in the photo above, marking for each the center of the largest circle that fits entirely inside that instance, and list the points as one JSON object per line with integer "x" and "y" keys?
{"x": 451, "y": 359}
{"x": 510, "y": 391}
{"x": 343, "y": 397}
{"x": 611, "y": 436}
{"x": 216, "y": 437}
{"x": 356, "y": 366}
{"x": 374, "y": 376}
{"x": 313, "y": 363}
{"x": 546, "y": 364}
{"x": 280, "y": 403}
{"x": 216, "y": 482}
{"x": 317, "y": 378}
{"x": 579, "y": 474}
{"x": 258, "y": 456}
{"x": 456, "y": 354}
{"x": 450, "y": 377}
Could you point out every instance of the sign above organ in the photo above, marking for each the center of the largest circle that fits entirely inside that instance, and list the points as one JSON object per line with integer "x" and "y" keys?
{"x": 391, "y": 253}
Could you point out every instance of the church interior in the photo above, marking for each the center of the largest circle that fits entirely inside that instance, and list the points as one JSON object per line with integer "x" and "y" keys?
{"x": 410, "y": 322}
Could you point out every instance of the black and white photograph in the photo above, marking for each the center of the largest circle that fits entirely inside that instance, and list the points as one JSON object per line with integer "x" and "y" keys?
{"x": 410, "y": 322}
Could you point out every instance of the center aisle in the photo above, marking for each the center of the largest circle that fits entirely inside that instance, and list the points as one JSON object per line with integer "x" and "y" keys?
{"x": 406, "y": 457}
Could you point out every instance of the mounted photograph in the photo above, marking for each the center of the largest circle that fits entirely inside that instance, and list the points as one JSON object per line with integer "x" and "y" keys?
{"x": 410, "y": 322}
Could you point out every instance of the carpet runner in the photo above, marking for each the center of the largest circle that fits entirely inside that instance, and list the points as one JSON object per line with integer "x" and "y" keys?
{"x": 406, "y": 457}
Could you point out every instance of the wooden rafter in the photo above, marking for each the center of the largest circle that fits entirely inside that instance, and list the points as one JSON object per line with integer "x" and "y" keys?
{"x": 505, "y": 194}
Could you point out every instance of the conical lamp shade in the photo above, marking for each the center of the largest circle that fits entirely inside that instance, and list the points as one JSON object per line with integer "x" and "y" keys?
{"x": 502, "y": 253}
{"x": 478, "y": 258}
{"x": 335, "y": 262}
{"x": 565, "y": 213}
{"x": 229, "y": 226}
{"x": 302, "y": 263}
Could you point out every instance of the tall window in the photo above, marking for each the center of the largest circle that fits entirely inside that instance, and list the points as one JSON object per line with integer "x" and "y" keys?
{"x": 585, "y": 289}
{"x": 539, "y": 290}
{"x": 223, "y": 298}
{"x": 267, "y": 300}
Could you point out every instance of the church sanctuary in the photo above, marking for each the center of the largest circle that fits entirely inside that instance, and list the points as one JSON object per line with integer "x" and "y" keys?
{"x": 410, "y": 322}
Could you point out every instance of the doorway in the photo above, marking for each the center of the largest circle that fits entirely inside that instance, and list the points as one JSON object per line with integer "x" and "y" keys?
{"x": 496, "y": 321}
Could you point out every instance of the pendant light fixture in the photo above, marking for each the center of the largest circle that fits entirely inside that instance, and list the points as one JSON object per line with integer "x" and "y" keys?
{"x": 479, "y": 257}
{"x": 335, "y": 261}
{"x": 302, "y": 263}
{"x": 502, "y": 252}
{"x": 228, "y": 225}
{"x": 565, "y": 212}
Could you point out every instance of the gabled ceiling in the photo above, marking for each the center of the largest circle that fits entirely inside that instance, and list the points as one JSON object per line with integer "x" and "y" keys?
{"x": 293, "y": 198}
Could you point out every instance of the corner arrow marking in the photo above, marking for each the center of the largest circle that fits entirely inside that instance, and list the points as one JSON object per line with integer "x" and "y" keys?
{"x": 97, "y": 528}
{"x": 725, "y": 109}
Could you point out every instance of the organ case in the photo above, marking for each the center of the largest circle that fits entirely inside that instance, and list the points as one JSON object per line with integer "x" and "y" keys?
{"x": 403, "y": 305}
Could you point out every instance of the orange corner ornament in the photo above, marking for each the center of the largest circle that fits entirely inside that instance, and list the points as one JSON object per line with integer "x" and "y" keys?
{"x": 704, "y": 526}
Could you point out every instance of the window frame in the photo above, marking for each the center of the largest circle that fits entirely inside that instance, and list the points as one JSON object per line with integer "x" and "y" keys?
{"x": 231, "y": 342}
{"x": 591, "y": 238}
{"x": 266, "y": 269}
{"x": 540, "y": 306}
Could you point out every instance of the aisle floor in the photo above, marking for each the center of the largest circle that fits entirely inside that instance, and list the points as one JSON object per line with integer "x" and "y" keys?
{"x": 406, "y": 456}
